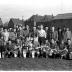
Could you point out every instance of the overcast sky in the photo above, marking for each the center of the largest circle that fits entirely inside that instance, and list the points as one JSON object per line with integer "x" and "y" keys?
{"x": 26, "y": 8}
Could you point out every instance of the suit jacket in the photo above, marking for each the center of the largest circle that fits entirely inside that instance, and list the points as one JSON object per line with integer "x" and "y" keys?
{"x": 54, "y": 35}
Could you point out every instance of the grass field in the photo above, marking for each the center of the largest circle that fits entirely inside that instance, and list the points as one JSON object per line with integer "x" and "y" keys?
{"x": 35, "y": 64}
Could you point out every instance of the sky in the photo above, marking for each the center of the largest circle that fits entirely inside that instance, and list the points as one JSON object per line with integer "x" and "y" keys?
{"x": 26, "y": 8}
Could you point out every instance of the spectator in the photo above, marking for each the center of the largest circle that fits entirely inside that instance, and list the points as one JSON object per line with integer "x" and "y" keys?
{"x": 59, "y": 36}
{"x": 54, "y": 34}
{"x": 68, "y": 34}
{"x": 41, "y": 35}
{"x": 26, "y": 31}
{"x": 6, "y": 35}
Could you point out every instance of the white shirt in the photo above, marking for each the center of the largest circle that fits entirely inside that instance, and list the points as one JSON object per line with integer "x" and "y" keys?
{"x": 36, "y": 39}
{"x": 41, "y": 33}
{"x": 6, "y": 36}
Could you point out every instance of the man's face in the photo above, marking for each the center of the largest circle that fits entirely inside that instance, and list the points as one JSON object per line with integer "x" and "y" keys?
{"x": 18, "y": 40}
{"x": 67, "y": 29}
{"x": 1, "y": 29}
{"x": 17, "y": 26}
{"x": 41, "y": 26}
{"x": 46, "y": 41}
{"x": 53, "y": 28}
{"x": 20, "y": 27}
{"x": 64, "y": 28}
{"x": 2, "y": 37}
{"x": 60, "y": 30}
{"x": 46, "y": 28}
{"x": 14, "y": 30}
{"x": 62, "y": 42}
{"x": 34, "y": 28}
{"x": 23, "y": 27}
{"x": 52, "y": 41}
{"x": 69, "y": 42}
{"x": 27, "y": 26}
{"x": 5, "y": 30}
{"x": 9, "y": 42}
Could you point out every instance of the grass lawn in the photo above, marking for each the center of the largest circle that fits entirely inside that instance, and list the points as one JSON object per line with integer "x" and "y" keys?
{"x": 35, "y": 64}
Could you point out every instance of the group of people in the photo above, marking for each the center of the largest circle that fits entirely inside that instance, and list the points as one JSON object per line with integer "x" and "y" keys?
{"x": 39, "y": 41}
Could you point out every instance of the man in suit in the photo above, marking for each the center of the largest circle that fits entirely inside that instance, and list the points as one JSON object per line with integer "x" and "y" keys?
{"x": 54, "y": 34}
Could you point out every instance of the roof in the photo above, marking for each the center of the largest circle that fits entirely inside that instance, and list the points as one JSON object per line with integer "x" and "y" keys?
{"x": 47, "y": 18}
{"x": 16, "y": 21}
{"x": 39, "y": 18}
{"x": 64, "y": 16}
{"x": 5, "y": 24}
{"x": 36, "y": 18}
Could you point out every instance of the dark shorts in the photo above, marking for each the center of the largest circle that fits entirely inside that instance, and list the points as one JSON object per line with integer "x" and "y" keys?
{"x": 2, "y": 48}
{"x": 41, "y": 40}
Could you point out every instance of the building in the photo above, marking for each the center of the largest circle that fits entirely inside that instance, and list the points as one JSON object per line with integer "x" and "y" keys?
{"x": 13, "y": 22}
{"x": 62, "y": 20}
{"x": 5, "y": 25}
{"x": 1, "y": 23}
{"x": 59, "y": 20}
{"x": 38, "y": 19}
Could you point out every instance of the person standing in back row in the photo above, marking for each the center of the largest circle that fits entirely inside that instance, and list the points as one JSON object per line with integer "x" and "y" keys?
{"x": 59, "y": 36}
{"x": 54, "y": 34}
{"x": 6, "y": 35}
{"x": 41, "y": 35}
{"x": 68, "y": 34}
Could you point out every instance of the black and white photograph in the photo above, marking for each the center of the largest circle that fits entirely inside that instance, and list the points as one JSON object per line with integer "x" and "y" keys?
{"x": 35, "y": 35}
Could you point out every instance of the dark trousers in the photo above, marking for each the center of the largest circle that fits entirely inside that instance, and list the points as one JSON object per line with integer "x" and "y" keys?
{"x": 41, "y": 40}
{"x": 1, "y": 49}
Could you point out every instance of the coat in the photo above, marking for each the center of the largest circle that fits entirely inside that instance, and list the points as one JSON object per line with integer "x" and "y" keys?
{"x": 54, "y": 35}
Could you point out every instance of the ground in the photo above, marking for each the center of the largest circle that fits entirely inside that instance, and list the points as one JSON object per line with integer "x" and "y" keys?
{"x": 35, "y": 64}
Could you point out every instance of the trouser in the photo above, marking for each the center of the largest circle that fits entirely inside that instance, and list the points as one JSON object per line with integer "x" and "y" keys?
{"x": 1, "y": 50}
{"x": 41, "y": 40}
{"x": 33, "y": 54}
{"x": 24, "y": 53}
